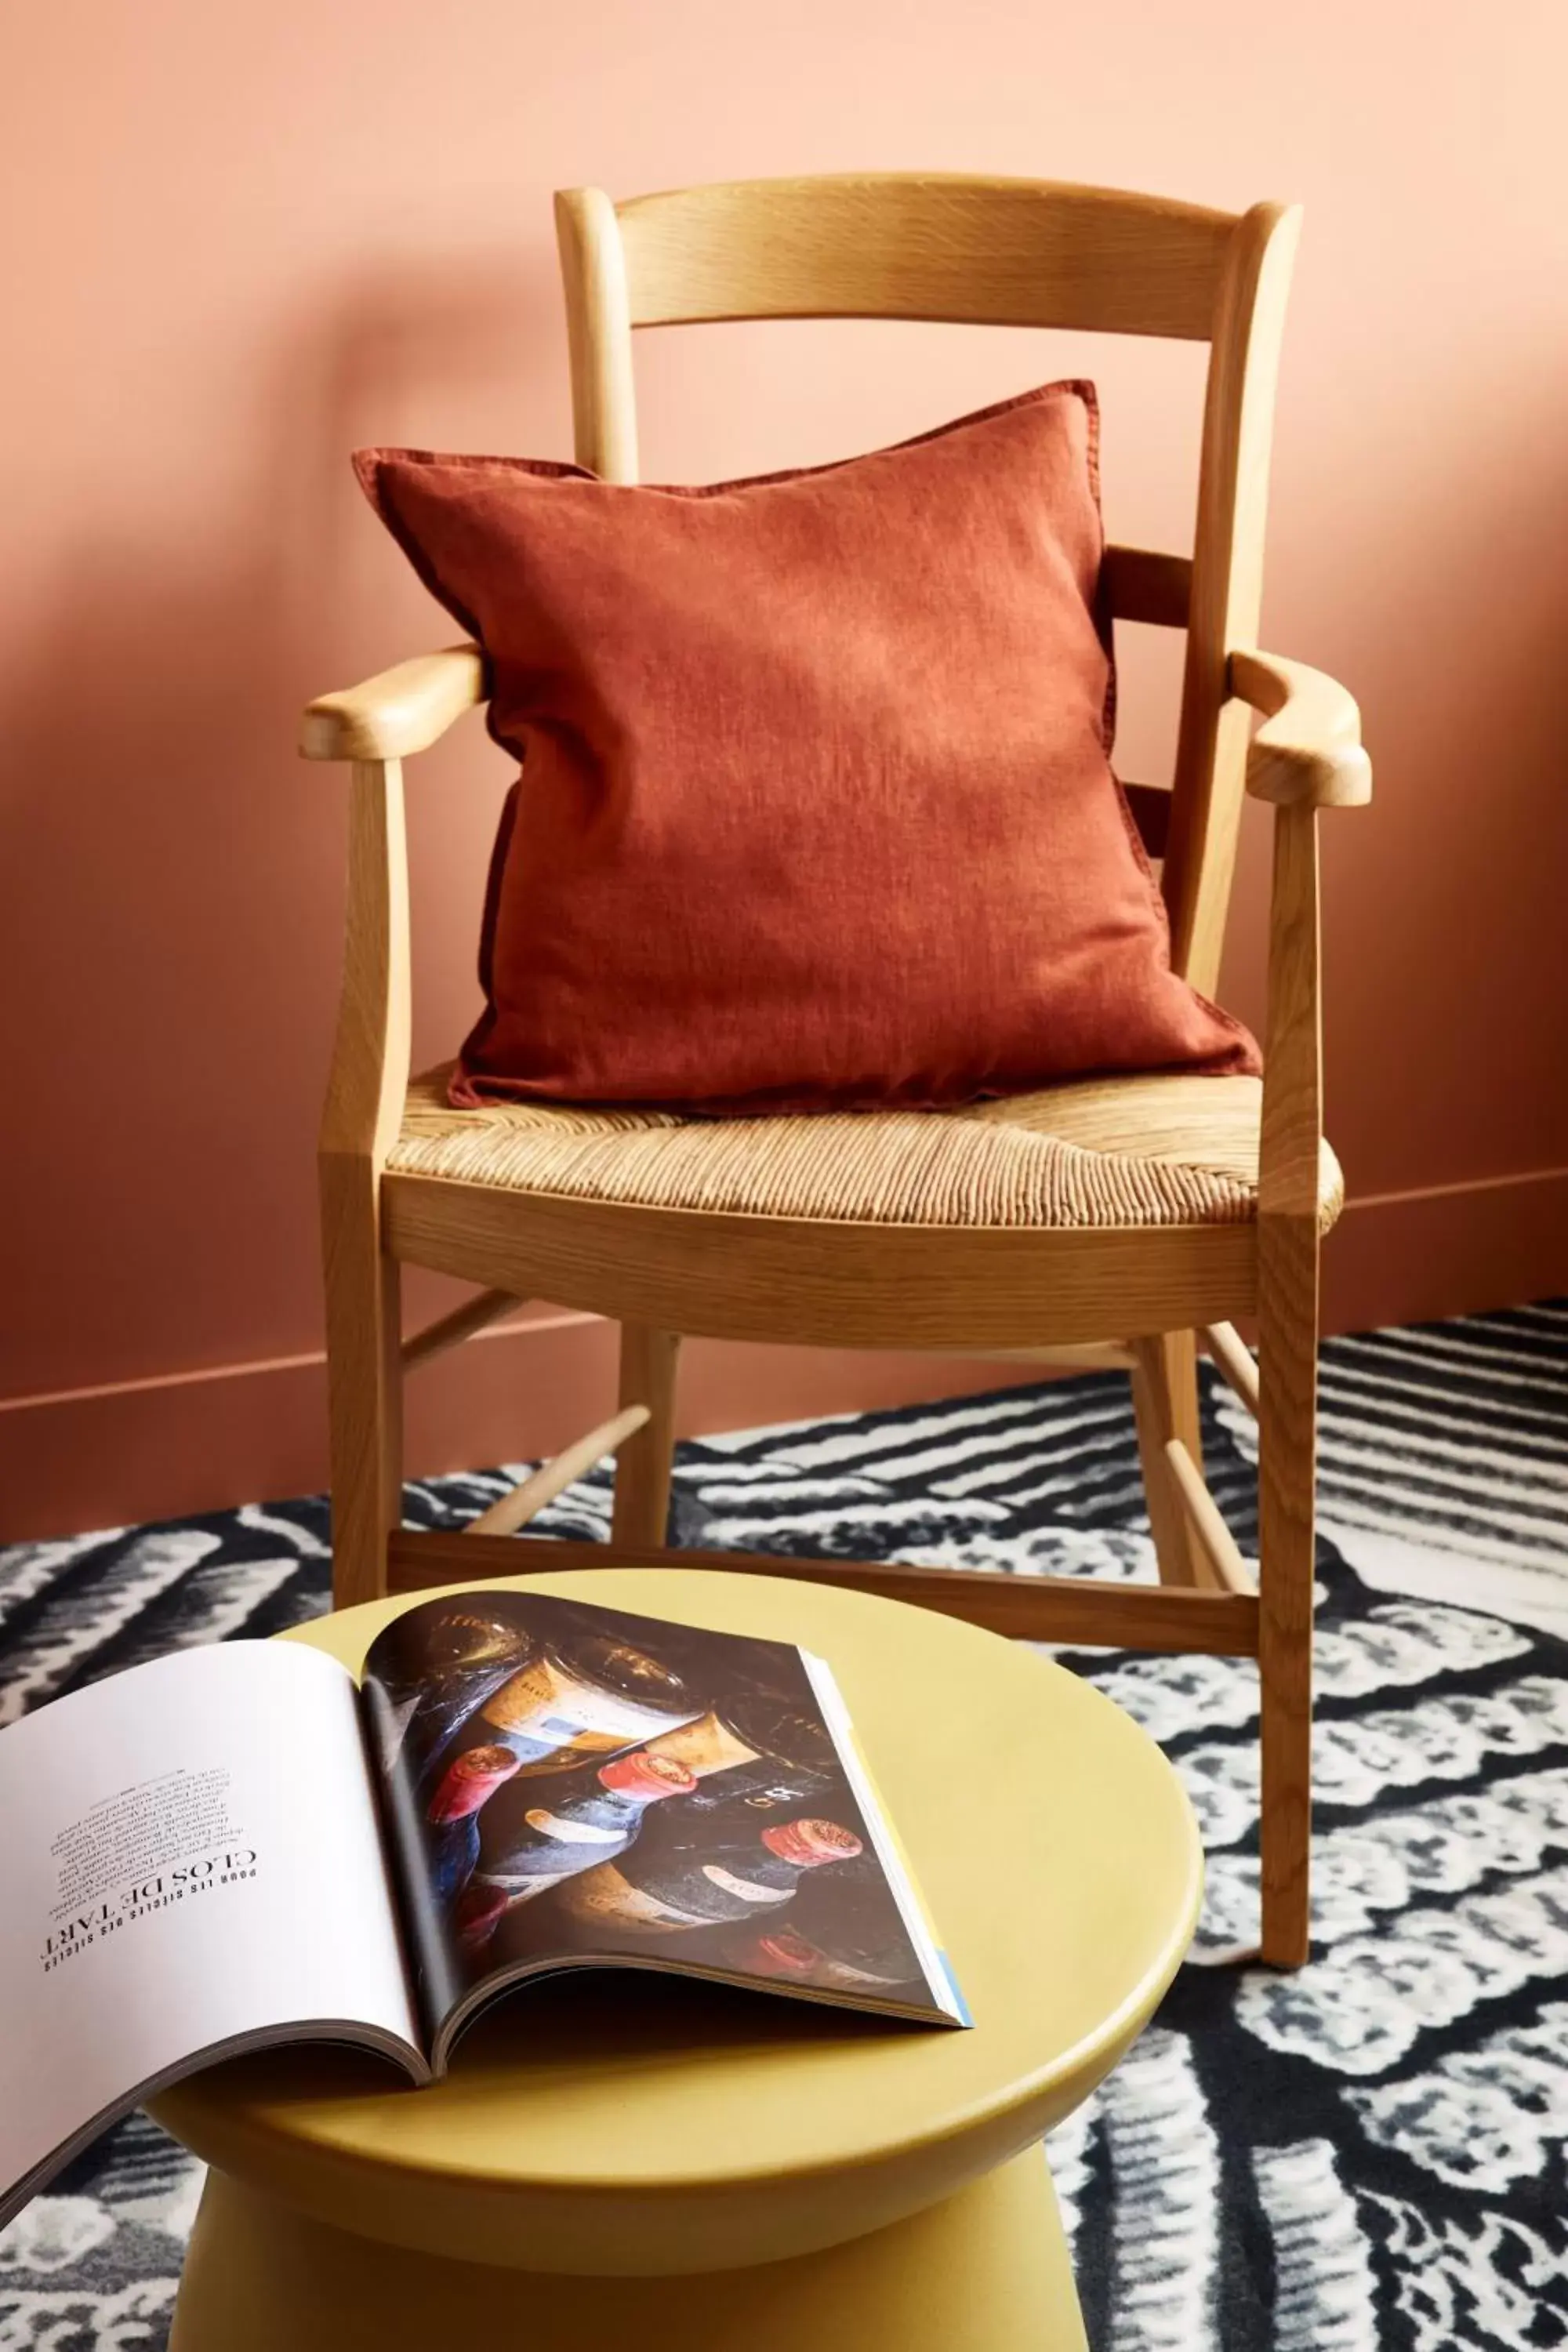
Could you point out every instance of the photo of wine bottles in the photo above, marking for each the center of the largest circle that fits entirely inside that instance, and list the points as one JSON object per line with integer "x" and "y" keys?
{"x": 567, "y": 1782}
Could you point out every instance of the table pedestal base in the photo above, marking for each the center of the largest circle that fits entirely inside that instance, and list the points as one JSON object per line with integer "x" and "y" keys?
{"x": 986, "y": 2272}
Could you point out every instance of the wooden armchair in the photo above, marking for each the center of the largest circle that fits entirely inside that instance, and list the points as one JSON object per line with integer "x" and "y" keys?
{"x": 1212, "y": 1194}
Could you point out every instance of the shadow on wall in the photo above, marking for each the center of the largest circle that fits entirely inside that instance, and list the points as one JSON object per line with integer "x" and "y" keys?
{"x": 171, "y": 900}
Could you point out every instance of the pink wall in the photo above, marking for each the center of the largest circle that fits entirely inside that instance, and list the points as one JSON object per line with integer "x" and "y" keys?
{"x": 245, "y": 238}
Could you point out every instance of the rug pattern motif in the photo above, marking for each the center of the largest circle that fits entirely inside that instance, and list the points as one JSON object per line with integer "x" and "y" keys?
{"x": 1368, "y": 2154}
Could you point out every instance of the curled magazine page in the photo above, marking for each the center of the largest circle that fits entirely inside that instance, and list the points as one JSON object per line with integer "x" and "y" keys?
{"x": 192, "y": 1862}
{"x": 572, "y": 1786}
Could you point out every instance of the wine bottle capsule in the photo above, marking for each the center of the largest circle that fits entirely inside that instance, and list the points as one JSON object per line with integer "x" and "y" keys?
{"x": 468, "y": 1780}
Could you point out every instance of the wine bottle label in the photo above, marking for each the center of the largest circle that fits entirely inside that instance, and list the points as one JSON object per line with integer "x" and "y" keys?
{"x": 605, "y": 1894}
{"x": 706, "y": 1745}
{"x": 555, "y": 1750}
{"x": 549, "y": 1705}
{"x": 746, "y": 1890}
{"x": 551, "y": 1825}
{"x": 527, "y": 1701}
{"x": 519, "y": 1890}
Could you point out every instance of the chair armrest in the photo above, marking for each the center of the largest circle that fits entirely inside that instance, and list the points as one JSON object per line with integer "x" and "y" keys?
{"x": 397, "y": 712}
{"x": 1307, "y": 753}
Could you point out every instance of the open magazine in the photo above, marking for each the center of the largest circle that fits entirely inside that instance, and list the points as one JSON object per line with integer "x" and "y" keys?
{"x": 240, "y": 1845}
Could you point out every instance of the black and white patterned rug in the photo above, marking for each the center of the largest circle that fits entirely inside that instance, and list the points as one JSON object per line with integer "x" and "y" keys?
{"x": 1370, "y": 2153}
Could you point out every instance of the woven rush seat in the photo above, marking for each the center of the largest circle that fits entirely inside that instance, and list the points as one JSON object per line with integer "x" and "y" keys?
{"x": 1123, "y": 1152}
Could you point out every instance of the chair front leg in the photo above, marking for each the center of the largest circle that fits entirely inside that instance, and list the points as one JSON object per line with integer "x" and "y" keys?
{"x": 648, "y": 1361}
{"x": 365, "y": 1378}
{"x": 1287, "y": 1471}
{"x": 359, "y": 1121}
{"x": 1306, "y": 756}
{"x": 1288, "y": 1250}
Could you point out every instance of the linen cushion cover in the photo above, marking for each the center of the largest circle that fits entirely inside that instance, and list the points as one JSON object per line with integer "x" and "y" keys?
{"x": 816, "y": 808}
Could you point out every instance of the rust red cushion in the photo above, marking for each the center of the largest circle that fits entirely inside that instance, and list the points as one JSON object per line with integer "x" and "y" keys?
{"x": 817, "y": 806}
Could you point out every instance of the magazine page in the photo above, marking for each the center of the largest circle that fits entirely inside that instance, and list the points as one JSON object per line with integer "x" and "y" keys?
{"x": 192, "y": 1862}
{"x": 571, "y": 1786}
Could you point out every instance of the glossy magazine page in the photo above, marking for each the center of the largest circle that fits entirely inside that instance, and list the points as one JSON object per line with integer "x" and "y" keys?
{"x": 569, "y": 1786}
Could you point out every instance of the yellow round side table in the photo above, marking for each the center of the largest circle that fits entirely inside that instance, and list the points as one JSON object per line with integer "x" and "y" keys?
{"x": 712, "y": 2170}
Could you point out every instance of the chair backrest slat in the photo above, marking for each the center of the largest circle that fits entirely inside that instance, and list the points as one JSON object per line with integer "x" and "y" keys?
{"x": 1142, "y": 585}
{"x": 994, "y": 252}
{"x": 998, "y": 253}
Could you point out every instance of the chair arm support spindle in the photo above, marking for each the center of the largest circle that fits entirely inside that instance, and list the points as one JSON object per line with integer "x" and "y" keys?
{"x": 1291, "y": 1132}
{"x": 371, "y": 1057}
{"x": 1306, "y": 756}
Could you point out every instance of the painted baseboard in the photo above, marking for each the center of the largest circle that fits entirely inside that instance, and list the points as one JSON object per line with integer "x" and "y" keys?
{"x": 199, "y": 1441}
{"x": 159, "y": 1449}
{"x": 1447, "y": 1249}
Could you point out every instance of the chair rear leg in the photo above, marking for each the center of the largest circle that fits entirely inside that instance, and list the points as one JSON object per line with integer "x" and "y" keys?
{"x": 1286, "y": 1447}
{"x": 365, "y": 1379}
{"x": 641, "y": 1514}
{"x": 1165, "y": 1401}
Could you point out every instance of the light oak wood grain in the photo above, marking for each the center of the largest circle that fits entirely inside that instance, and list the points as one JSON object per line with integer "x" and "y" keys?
{"x": 998, "y": 252}
{"x": 1072, "y": 1609}
{"x": 399, "y": 711}
{"x": 364, "y": 1107}
{"x": 450, "y": 1330}
{"x": 823, "y": 1285}
{"x": 1236, "y": 1361}
{"x": 1226, "y": 585}
{"x": 1288, "y": 1247}
{"x": 1213, "y": 1538}
{"x": 528, "y": 1498}
{"x": 1165, "y": 1406}
{"x": 598, "y": 334}
{"x": 1307, "y": 751}
{"x": 650, "y": 1358}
